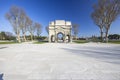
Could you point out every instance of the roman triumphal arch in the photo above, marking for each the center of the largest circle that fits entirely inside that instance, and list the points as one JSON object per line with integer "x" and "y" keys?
{"x": 60, "y": 31}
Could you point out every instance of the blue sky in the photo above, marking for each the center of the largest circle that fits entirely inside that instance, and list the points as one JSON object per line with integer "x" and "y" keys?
{"x": 44, "y": 11}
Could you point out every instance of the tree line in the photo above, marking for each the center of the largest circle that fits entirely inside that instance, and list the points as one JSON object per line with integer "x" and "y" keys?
{"x": 22, "y": 23}
{"x": 114, "y": 37}
{"x": 6, "y": 36}
{"x": 105, "y": 12}
{"x": 9, "y": 36}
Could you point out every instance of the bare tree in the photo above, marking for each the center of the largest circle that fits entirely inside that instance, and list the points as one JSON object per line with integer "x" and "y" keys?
{"x": 38, "y": 29}
{"x": 111, "y": 10}
{"x": 13, "y": 17}
{"x": 75, "y": 30}
{"x": 31, "y": 28}
{"x": 98, "y": 18}
{"x": 23, "y": 23}
{"x": 111, "y": 13}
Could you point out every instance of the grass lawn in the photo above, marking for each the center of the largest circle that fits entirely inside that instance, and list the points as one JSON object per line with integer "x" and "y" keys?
{"x": 80, "y": 41}
{"x": 115, "y": 42}
{"x": 7, "y": 42}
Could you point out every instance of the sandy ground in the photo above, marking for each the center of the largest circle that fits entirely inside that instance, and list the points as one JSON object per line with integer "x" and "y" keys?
{"x": 60, "y": 61}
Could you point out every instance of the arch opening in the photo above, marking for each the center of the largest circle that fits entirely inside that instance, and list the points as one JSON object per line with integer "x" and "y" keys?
{"x": 60, "y": 37}
{"x": 67, "y": 38}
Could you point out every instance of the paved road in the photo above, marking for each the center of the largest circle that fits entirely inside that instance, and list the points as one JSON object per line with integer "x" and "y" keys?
{"x": 50, "y": 61}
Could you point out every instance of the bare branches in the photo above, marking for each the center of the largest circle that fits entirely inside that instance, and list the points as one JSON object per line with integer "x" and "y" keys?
{"x": 21, "y": 22}
{"x": 14, "y": 16}
{"x": 38, "y": 28}
{"x": 106, "y": 12}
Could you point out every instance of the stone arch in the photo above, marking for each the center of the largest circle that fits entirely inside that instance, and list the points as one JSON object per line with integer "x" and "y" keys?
{"x": 60, "y": 27}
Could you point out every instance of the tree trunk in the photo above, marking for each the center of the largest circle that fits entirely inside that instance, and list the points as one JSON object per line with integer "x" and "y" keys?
{"x": 24, "y": 36}
{"x": 101, "y": 36}
{"x": 106, "y": 36}
{"x": 18, "y": 37}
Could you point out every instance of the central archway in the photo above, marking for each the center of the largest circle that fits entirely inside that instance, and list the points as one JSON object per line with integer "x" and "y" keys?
{"x": 60, "y": 37}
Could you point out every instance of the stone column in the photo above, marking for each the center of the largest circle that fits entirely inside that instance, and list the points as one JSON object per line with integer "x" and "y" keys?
{"x": 64, "y": 38}
{"x": 55, "y": 37}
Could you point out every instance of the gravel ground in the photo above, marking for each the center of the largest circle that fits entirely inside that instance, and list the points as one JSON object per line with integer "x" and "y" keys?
{"x": 60, "y": 61}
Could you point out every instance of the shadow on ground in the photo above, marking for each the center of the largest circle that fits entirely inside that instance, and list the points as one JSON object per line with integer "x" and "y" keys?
{"x": 3, "y": 47}
{"x": 1, "y": 76}
{"x": 110, "y": 55}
